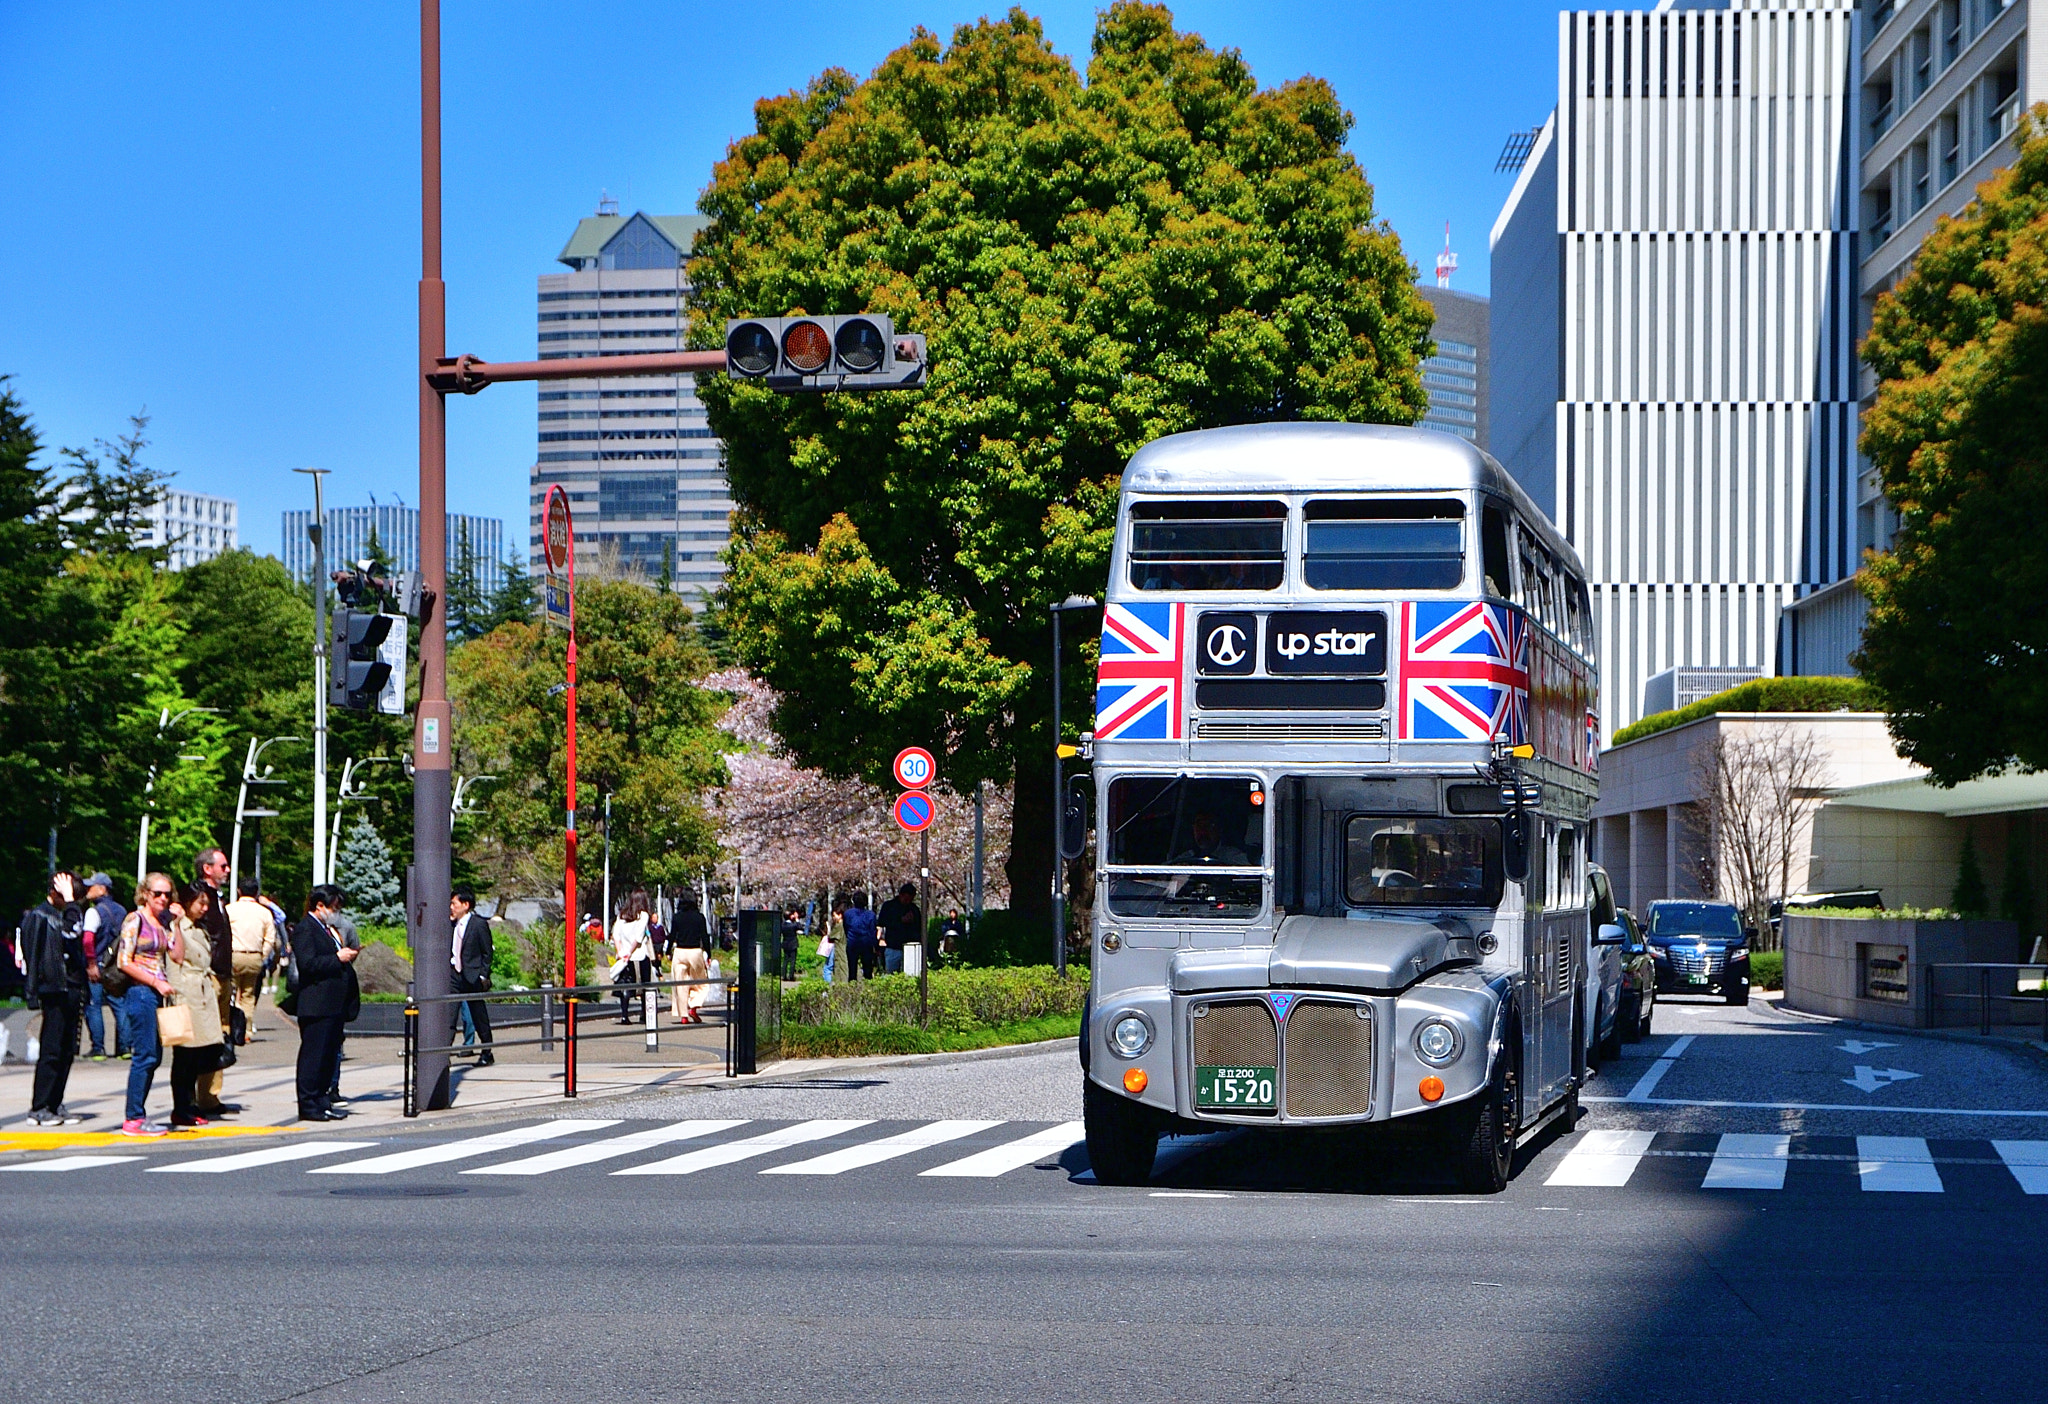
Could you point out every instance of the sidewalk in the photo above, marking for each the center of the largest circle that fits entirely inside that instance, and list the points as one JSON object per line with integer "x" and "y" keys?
{"x": 264, "y": 1077}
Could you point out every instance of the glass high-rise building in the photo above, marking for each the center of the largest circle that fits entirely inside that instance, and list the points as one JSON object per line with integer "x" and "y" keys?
{"x": 644, "y": 476}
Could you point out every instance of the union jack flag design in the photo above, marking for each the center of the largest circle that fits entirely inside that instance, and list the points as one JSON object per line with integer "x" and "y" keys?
{"x": 1464, "y": 673}
{"x": 1138, "y": 682}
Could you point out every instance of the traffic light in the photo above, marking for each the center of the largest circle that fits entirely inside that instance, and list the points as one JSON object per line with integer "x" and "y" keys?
{"x": 368, "y": 667}
{"x": 861, "y": 351}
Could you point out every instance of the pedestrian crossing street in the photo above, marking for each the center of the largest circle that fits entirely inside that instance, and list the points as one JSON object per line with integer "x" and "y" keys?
{"x": 1610, "y": 1159}
{"x": 523, "y": 1143}
{"x": 1594, "y": 1159}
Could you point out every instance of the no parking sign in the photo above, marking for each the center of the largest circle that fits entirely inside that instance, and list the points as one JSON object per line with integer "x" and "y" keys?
{"x": 914, "y": 811}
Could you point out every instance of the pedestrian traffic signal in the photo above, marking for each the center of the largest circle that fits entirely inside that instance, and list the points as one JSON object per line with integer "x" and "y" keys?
{"x": 368, "y": 663}
{"x": 860, "y": 351}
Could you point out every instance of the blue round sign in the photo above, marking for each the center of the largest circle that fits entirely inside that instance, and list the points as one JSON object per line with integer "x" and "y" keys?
{"x": 914, "y": 811}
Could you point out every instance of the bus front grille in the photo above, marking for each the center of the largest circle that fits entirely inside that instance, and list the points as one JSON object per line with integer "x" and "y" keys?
{"x": 1331, "y": 732}
{"x": 1329, "y": 1059}
{"x": 1235, "y": 1033}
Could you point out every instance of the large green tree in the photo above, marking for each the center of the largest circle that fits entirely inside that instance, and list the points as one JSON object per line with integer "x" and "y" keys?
{"x": 646, "y": 735}
{"x": 1165, "y": 247}
{"x": 1957, "y": 638}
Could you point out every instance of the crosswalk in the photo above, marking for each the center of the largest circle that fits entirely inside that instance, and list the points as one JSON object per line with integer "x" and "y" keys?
{"x": 978, "y": 1149}
{"x": 1611, "y": 1159}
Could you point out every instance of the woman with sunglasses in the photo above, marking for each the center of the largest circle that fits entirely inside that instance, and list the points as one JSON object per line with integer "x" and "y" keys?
{"x": 191, "y": 974}
{"x": 149, "y": 942}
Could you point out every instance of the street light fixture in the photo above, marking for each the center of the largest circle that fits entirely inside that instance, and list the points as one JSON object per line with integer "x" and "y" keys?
{"x": 1059, "y": 786}
{"x": 350, "y": 789}
{"x": 242, "y": 810}
{"x": 166, "y": 719}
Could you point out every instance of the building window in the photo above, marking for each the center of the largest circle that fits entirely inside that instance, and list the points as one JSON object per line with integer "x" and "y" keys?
{"x": 1456, "y": 348}
{"x": 567, "y": 296}
{"x": 1921, "y": 50}
{"x": 1951, "y": 31}
{"x": 1917, "y": 176}
{"x": 1451, "y": 397}
{"x": 639, "y": 245}
{"x": 1877, "y": 98}
{"x": 1950, "y": 131}
{"x": 2000, "y": 106}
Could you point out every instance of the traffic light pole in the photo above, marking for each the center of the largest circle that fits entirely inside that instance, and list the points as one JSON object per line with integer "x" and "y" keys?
{"x": 432, "y": 776}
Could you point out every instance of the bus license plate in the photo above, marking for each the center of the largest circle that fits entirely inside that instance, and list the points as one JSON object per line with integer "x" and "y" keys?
{"x": 1235, "y": 1089}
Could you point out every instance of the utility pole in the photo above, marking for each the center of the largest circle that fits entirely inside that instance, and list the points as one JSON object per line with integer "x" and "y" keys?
{"x": 317, "y": 531}
{"x": 607, "y": 862}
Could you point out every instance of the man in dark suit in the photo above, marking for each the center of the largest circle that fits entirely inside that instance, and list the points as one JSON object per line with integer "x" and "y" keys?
{"x": 326, "y": 1000}
{"x": 471, "y": 953}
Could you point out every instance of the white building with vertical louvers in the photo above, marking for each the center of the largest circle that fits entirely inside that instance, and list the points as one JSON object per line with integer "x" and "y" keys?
{"x": 1674, "y": 318}
{"x": 190, "y": 527}
{"x": 645, "y": 478}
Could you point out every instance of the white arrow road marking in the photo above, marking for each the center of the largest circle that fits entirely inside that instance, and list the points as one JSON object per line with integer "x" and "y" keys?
{"x": 1743, "y": 1161}
{"x": 1649, "y": 1080}
{"x": 1897, "y": 1165}
{"x": 1014, "y": 1155}
{"x": 1604, "y": 1158}
{"x": 1869, "y": 1079}
{"x": 1857, "y": 1047}
{"x": 2028, "y": 1161}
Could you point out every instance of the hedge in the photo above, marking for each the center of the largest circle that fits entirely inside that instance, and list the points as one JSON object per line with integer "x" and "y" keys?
{"x": 1764, "y": 695}
{"x": 857, "y": 1040}
{"x": 961, "y": 1001}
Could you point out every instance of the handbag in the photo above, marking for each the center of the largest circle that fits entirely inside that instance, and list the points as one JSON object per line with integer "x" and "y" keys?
{"x": 174, "y": 1026}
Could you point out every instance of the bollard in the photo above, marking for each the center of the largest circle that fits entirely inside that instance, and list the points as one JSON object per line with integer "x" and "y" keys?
{"x": 650, "y": 1015}
{"x": 547, "y": 1016}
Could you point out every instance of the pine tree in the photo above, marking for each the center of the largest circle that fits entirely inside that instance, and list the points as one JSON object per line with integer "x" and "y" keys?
{"x": 363, "y": 871}
{"x": 468, "y": 610}
{"x": 1971, "y": 897}
{"x": 512, "y": 601}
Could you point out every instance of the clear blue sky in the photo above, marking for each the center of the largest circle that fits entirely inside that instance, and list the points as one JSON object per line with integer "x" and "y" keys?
{"x": 212, "y": 211}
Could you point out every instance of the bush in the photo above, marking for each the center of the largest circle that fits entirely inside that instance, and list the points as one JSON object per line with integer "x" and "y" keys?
{"x": 1764, "y": 695}
{"x": 961, "y": 1001}
{"x": 538, "y": 951}
{"x": 1004, "y": 939}
{"x": 392, "y": 936}
{"x": 857, "y": 1040}
{"x": 1767, "y": 970}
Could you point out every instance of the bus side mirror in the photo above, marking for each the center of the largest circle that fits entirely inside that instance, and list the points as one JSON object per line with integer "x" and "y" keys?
{"x": 1515, "y": 848}
{"x": 1074, "y": 819}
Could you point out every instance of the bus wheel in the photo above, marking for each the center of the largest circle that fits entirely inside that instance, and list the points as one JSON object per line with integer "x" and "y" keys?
{"x": 1488, "y": 1152}
{"x": 1123, "y": 1136}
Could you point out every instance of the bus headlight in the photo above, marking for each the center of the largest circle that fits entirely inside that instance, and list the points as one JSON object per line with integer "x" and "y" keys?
{"x": 1436, "y": 1042}
{"x": 1130, "y": 1035}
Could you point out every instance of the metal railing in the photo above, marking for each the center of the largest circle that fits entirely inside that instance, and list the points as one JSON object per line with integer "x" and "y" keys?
{"x": 546, "y": 1002}
{"x": 2014, "y": 991}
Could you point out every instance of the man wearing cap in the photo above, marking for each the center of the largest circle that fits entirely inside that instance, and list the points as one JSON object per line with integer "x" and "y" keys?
{"x": 103, "y": 918}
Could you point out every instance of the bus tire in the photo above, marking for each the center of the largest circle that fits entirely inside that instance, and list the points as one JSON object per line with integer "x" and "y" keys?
{"x": 1488, "y": 1152}
{"x": 1123, "y": 1136}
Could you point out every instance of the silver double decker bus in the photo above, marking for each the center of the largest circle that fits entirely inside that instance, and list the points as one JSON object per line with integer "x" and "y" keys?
{"x": 1344, "y": 753}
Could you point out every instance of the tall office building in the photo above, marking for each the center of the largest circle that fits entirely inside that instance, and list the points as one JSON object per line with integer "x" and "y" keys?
{"x": 1944, "y": 82}
{"x": 193, "y": 526}
{"x": 644, "y": 476}
{"x": 1674, "y": 316}
{"x": 1455, "y": 377}
{"x": 396, "y": 531}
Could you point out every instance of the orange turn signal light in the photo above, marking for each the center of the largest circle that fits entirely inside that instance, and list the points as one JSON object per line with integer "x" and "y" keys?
{"x": 1431, "y": 1088}
{"x": 1135, "y": 1081}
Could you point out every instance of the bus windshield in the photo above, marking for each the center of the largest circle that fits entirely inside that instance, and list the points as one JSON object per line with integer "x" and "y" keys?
{"x": 1185, "y": 835}
{"x": 1208, "y": 545}
{"x": 1384, "y": 545}
{"x": 1415, "y": 862}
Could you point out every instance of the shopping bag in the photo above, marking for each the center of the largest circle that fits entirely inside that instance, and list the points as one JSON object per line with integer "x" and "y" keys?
{"x": 174, "y": 1025}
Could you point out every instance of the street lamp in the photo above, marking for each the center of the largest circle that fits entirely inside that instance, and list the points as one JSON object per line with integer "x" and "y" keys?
{"x": 164, "y": 722}
{"x": 1059, "y": 785}
{"x": 242, "y": 810}
{"x": 460, "y": 806}
{"x": 350, "y": 789}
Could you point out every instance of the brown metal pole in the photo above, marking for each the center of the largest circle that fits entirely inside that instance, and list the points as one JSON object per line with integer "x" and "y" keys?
{"x": 432, "y": 743}
{"x": 468, "y": 374}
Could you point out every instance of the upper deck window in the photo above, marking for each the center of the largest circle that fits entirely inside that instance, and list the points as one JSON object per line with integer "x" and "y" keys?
{"x": 1412, "y": 544}
{"x": 1208, "y": 545}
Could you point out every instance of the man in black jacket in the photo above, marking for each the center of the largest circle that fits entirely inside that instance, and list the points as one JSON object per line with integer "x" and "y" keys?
{"x": 472, "y": 952}
{"x": 328, "y": 997}
{"x": 53, "y": 966}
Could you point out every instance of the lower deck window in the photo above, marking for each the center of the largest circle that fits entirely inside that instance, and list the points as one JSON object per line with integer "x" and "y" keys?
{"x": 1170, "y": 843}
{"x": 1422, "y": 862}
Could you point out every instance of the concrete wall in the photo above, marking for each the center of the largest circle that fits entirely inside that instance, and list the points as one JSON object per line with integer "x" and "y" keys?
{"x": 1825, "y": 963}
{"x": 1910, "y": 858}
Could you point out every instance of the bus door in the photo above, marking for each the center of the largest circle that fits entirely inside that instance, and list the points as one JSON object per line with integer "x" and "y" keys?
{"x": 1552, "y": 976}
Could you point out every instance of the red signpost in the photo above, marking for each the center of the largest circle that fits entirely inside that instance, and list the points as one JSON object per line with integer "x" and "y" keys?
{"x": 559, "y": 542}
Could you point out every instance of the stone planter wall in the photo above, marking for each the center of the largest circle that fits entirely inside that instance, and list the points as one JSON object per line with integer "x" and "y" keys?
{"x": 1854, "y": 967}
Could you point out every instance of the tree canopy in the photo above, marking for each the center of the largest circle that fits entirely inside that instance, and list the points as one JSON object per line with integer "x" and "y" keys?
{"x": 1163, "y": 248}
{"x": 1957, "y": 639}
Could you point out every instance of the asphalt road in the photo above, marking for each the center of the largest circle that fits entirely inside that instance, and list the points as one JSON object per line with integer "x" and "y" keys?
{"x": 1857, "y": 1251}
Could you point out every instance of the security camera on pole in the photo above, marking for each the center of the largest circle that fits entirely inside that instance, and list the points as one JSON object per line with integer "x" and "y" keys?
{"x": 914, "y": 769}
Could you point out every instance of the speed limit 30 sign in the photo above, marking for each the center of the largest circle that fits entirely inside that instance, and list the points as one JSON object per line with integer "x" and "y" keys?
{"x": 915, "y": 767}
